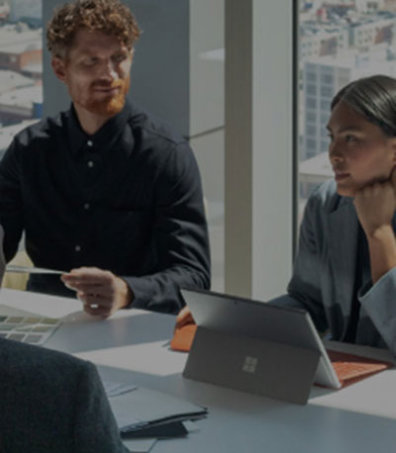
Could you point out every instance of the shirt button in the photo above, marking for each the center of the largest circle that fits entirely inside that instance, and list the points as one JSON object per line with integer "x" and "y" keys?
{"x": 90, "y": 143}
{"x": 77, "y": 248}
{"x": 90, "y": 164}
{"x": 87, "y": 206}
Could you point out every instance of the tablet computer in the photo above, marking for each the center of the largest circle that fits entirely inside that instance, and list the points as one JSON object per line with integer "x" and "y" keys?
{"x": 254, "y": 322}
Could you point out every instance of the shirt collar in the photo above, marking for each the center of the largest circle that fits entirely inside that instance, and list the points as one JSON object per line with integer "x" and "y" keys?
{"x": 103, "y": 139}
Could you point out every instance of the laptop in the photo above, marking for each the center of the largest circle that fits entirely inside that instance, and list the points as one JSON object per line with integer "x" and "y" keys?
{"x": 256, "y": 347}
{"x": 20, "y": 325}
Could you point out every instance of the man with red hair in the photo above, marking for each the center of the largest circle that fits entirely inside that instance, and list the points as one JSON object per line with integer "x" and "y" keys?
{"x": 104, "y": 192}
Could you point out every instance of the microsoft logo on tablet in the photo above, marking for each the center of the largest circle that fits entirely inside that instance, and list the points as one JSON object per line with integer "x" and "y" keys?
{"x": 250, "y": 364}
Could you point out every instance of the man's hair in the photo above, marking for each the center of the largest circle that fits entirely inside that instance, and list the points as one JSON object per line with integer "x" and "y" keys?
{"x": 108, "y": 16}
{"x": 374, "y": 98}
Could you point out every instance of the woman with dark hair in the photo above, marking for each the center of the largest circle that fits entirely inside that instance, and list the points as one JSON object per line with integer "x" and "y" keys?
{"x": 345, "y": 270}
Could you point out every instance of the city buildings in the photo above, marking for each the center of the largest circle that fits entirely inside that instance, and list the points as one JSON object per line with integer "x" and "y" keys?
{"x": 20, "y": 68}
{"x": 28, "y": 11}
{"x": 339, "y": 41}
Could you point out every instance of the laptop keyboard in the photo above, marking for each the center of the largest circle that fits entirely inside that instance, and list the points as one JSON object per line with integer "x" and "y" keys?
{"x": 27, "y": 329}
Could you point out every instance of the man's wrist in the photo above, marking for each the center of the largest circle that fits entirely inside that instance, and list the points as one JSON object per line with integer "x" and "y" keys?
{"x": 130, "y": 296}
{"x": 126, "y": 294}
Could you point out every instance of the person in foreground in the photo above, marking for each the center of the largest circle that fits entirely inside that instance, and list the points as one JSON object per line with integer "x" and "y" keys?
{"x": 345, "y": 269}
{"x": 52, "y": 402}
{"x": 103, "y": 189}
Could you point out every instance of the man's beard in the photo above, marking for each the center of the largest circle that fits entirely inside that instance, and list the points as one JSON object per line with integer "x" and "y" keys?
{"x": 111, "y": 105}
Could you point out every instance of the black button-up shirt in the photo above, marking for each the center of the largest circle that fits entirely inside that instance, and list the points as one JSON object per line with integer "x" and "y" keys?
{"x": 127, "y": 199}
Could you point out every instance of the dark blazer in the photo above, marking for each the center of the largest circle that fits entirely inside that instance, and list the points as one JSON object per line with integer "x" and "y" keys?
{"x": 52, "y": 402}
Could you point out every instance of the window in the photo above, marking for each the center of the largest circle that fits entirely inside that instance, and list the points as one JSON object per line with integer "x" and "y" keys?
{"x": 310, "y": 117}
{"x": 326, "y": 91}
{"x": 311, "y": 89}
{"x": 311, "y": 146}
{"x": 325, "y": 105}
{"x": 310, "y": 103}
{"x": 310, "y": 130}
{"x": 21, "y": 95}
{"x": 310, "y": 76}
{"x": 324, "y": 119}
{"x": 326, "y": 79}
{"x": 336, "y": 71}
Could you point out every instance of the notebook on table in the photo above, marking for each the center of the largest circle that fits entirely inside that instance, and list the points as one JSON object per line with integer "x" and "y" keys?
{"x": 20, "y": 325}
{"x": 26, "y": 327}
{"x": 351, "y": 368}
{"x": 183, "y": 337}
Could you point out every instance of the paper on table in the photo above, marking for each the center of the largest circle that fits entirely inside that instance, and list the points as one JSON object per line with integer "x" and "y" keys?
{"x": 143, "y": 407}
{"x": 139, "y": 445}
{"x": 117, "y": 388}
{"x": 191, "y": 426}
{"x": 351, "y": 368}
{"x": 31, "y": 270}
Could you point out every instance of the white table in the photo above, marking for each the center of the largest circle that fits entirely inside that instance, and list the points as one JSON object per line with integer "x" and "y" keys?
{"x": 133, "y": 346}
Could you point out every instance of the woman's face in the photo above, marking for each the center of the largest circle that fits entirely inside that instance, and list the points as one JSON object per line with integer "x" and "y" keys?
{"x": 359, "y": 152}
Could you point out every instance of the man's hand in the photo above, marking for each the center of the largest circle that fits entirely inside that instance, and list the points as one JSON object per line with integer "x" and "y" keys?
{"x": 101, "y": 292}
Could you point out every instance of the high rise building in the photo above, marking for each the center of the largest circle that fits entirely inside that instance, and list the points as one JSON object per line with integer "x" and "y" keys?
{"x": 25, "y": 9}
{"x": 322, "y": 78}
